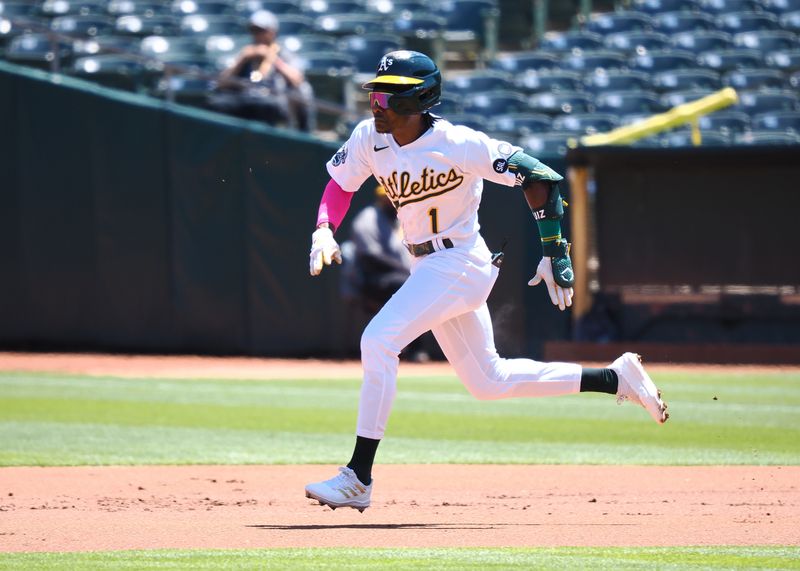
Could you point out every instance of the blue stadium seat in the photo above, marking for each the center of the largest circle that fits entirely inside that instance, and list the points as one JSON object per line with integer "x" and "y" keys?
{"x": 471, "y": 120}
{"x": 159, "y": 46}
{"x": 619, "y": 21}
{"x": 328, "y": 73}
{"x": 316, "y": 8}
{"x": 76, "y": 26}
{"x": 788, "y": 121}
{"x": 494, "y": 103}
{"x": 767, "y": 138}
{"x": 17, "y": 9}
{"x": 449, "y": 105}
{"x": 727, "y": 122}
{"x": 104, "y": 44}
{"x": 185, "y": 89}
{"x": 663, "y": 60}
{"x": 725, "y": 6}
{"x": 513, "y": 125}
{"x": 727, "y": 60}
{"x": 533, "y": 81}
{"x": 552, "y": 144}
{"x": 637, "y": 41}
{"x": 585, "y": 62}
{"x": 55, "y": 8}
{"x": 786, "y": 61}
{"x": 295, "y": 24}
{"x": 791, "y": 21}
{"x": 676, "y": 22}
{"x": 516, "y": 62}
{"x": 112, "y": 70}
{"x": 39, "y": 50}
{"x": 366, "y": 49}
{"x": 420, "y": 30}
{"x": 349, "y": 24}
{"x": 397, "y": 6}
{"x": 477, "y": 81}
{"x": 615, "y": 80}
{"x": 627, "y": 102}
{"x": 19, "y": 25}
{"x": 687, "y": 79}
{"x": 767, "y": 40}
{"x": 304, "y": 43}
{"x": 147, "y": 25}
{"x": 202, "y": 25}
{"x": 146, "y": 8}
{"x": 557, "y": 41}
{"x": 653, "y": 7}
{"x": 755, "y": 102}
{"x": 586, "y": 123}
{"x": 187, "y": 64}
{"x": 277, "y": 7}
{"x": 794, "y": 80}
{"x": 779, "y": 7}
{"x": 208, "y": 7}
{"x": 683, "y": 138}
{"x": 558, "y": 102}
{"x": 702, "y": 40}
{"x": 736, "y": 22}
{"x": 750, "y": 79}
{"x": 674, "y": 98}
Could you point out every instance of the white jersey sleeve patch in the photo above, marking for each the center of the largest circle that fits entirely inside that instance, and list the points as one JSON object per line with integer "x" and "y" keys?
{"x": 348, "y": 166}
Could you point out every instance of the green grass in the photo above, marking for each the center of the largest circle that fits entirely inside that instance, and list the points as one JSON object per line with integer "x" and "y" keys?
{"x": 571, "y": 558}
{"x": 49, "y": 419}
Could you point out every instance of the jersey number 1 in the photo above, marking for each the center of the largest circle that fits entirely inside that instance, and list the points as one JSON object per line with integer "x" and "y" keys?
{"x": 434, "y": 214}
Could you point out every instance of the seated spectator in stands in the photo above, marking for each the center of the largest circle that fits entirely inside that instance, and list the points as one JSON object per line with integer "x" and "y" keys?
{"x": 264, "y": 83}
{"x": 376, "y": 262}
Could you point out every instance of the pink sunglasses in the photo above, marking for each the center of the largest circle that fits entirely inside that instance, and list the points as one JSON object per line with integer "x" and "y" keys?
{"x": 379, "y": 100}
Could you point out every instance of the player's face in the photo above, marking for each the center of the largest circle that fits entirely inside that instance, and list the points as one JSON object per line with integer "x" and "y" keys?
{"x": 386, "y": 120}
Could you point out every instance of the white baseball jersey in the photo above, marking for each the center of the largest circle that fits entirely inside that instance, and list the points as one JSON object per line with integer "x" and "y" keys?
{"x": 435, "y": 182}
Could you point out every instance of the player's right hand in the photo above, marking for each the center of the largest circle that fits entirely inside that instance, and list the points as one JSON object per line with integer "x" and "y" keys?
{"x": 560, "y": 296}
{"x": 324, "y": 250}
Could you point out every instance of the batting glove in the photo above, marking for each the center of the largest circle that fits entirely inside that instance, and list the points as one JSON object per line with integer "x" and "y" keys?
{"x": 324, "y": 250}
{"x": 560, "y": 296}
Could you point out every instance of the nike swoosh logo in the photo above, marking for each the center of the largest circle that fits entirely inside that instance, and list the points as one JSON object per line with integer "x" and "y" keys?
{"x": 376, "y": 148}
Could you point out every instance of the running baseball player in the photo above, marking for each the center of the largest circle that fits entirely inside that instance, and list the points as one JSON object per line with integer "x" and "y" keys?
{"x": 433, "y": 171}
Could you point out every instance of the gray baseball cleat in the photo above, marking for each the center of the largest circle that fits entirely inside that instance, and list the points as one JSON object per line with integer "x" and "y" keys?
{"x": 342, "y": 491}
{"x": 636, "y": 386}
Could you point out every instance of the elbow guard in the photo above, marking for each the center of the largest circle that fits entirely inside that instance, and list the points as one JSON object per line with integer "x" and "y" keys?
{"x": 544, "y": 199}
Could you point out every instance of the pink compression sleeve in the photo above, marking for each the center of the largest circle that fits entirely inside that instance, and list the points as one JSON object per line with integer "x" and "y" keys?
{"x": 334, "y": 204}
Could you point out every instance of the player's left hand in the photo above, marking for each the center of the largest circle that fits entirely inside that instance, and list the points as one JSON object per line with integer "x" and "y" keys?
{"x": 324, "y": 250}
{"x": 560, "y": 296}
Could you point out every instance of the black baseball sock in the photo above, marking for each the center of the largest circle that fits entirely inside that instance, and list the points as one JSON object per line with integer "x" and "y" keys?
{"x": 599, "y": 381}
{"x": 363, "y": 458}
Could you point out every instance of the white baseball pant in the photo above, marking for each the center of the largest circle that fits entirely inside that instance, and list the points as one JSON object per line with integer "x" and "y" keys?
{"x": 446, "y": 293}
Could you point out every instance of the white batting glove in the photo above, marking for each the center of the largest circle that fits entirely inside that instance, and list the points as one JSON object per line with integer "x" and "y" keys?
{"x": 562, "y": 297}
{"x": 324, "y": 250}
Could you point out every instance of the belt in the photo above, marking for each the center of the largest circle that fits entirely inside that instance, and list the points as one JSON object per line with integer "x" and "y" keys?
{"x": 429, "y": 247}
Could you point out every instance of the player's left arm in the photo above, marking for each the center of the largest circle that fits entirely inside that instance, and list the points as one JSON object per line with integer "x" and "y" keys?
{"x": 540, "y": 187}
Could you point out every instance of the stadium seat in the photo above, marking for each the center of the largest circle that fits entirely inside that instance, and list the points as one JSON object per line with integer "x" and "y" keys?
{"x": 676, "y": 22}
{"x": 349, "y": 24}
{"x": 726, "y": 122}
{"x": 477, "y": 81}
{"x": 144, "y": 25}
{"x": 687, "y": 79}
{"x": 762, "y": 101}
{"x": 533, "y": 81}
{"x": 727, "y": 60}
{"x": 296, "y": 24}
{"x": 794, "y": 80}
{"x": 702, "y": 40}
{"x": 616, "y": 80}
{"x": 304, "y": 43}
{"x": 367, "y": 48}
{"x": 277, "y": 7}
{"x": 767, "y": 138}
{"x": 683, "y": 138}
{"x": 471, "y": 30}
{"x": 556, "y": 41}
{"x": 316, "y": 8}
{"x": 201, "y": 25}
{"x": 146, "y": 8}
{"x": 449, "y": 105}
{"x": 19, "y": 25}
{"x": 637, "y": 41}
{"x": 674, "y": 98}
{"x": 183, "y": 63}
{"x": 516, "y": 62}
{"x": 494, "y": 103}
{"x": 329, "y": 74}
{"x": 780, "y": 7}
{"x": 751, "y": 79}
{"x": 767, "y": 40}
{"x": 207, "y": 7}
{"x": 788, "y": 121}
{"x": 513, "y": 125}
{"x": 82, "y": 25}
{"x": 786, "y": 61}
{"x": 17, "y": 9}
{"x": 736, "y": 22}
{"x": 471, "y": 120}
{"x": 653, "y": 7}
{"x": 558, "y": 102}
{"x": 724, "y": 6}
{"x": 420, "y": 31}
{"x": 791, "y": 21}
{"x": 627, "y": 102}
{"x": 159, "y": 46}
{"x": 397, "y": 6}
{"x": 620, "y": 21}
{"x": 663, "y": 60}
{"x": 553, "y": 144}
{"x": 104, "y": 44}
{"x": 585, "y": 123}
{"x": 112, "y": 70}
{"x": 55, "y": 8}
{"x": 40, "y": 51}
{"x": 586, "y": 62}
{"x": 188, "y": 90}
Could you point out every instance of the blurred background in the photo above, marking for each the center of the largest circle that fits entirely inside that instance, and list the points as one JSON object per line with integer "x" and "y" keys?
{"x": 136, "y": 216}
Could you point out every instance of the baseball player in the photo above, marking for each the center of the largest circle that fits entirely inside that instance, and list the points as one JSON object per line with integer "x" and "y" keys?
{"x": 433, "y": 172}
